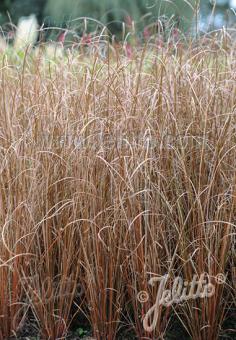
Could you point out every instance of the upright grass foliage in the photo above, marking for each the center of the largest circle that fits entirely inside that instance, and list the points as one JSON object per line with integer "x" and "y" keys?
{"x": 115, "y": 170}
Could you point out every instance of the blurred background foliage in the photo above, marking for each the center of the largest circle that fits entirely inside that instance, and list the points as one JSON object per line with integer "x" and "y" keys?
{"x": 112, "y": 12}
{"x": 108, "y": 11}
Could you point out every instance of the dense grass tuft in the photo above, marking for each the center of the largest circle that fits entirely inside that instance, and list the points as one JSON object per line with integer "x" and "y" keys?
{"x": 116, "y": 168}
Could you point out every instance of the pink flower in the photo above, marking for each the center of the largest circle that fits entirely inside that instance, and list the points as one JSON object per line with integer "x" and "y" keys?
{"x": 146, "y": 33}
{"x": 128, "y": 50}
{"x": 61, "y": 37}
{"x": 86, "y": 39}
{"x": 175, "y": 34}
{"x": 159, "y": 43}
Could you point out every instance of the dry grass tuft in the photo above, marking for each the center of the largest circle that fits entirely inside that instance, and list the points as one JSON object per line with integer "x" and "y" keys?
{"x": 114, "y": 170}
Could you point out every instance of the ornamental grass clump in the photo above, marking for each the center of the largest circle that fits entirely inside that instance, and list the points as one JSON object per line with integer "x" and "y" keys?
{"x": 114, "y": 170}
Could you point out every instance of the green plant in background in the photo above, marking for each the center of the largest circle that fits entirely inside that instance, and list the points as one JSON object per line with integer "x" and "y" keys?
{"x": 109, "y": 12}
{"x": 14, "y": 9}
{"x": 81, "y": 332}
{"x": 4, "y": 6}
{"x": 116, "y": 11}
{"x": 19, "y": 8}
{"x": 113, "y": 12}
